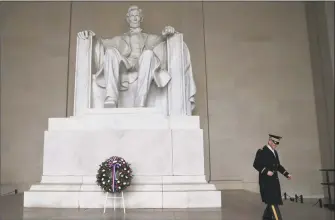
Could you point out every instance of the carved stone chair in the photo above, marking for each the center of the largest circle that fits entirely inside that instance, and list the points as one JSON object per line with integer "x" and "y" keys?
{"x": 170, "y": 100}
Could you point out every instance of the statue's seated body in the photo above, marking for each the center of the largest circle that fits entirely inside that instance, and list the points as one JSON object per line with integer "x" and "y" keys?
{"x": 141, "y": 74}
{"x": 135, "y": 70}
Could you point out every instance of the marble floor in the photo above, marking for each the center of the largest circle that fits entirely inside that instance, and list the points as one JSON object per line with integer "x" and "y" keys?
{"x": 237, "y": 205}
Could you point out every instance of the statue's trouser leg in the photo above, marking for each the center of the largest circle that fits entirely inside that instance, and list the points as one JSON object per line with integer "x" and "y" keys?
{"x": 146, "y": 68}
{"x": 111, "y": 74}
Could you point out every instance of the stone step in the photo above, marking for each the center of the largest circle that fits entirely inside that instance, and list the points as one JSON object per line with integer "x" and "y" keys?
{"x": 133, "y": 188}
{"x": 123, "y": 121}
{"x": 137, "y": 180}
{"x": 144, "y": 199}
{"x": 122, "y": 111}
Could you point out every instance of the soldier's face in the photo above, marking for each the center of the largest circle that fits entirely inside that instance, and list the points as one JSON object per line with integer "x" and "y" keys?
{"x": 134, "y": 19}
{"x": 273, "y": 144}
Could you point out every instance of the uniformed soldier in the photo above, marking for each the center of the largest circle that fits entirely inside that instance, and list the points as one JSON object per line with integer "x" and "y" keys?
{"x": 268, "y": 165}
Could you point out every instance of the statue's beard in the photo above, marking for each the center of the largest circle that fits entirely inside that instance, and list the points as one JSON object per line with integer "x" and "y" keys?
{"x": 134, "y": 25}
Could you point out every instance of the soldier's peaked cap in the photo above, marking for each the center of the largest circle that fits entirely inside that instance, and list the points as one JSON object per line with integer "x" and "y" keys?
{"x": 275, "y": 137}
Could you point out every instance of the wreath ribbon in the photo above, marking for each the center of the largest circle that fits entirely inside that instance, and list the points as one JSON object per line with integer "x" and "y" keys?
{"x": 114, "y": 166}
{"x": 114, "y": 177}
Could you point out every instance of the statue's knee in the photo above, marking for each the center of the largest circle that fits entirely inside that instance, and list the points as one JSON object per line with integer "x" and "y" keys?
{"x": 112, "y": 51}
{"x": 148, "y": 53}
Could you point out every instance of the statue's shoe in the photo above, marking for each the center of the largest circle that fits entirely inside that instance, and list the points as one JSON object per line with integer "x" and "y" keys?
{"x": 140, "y": 102}
{"x": 110, "y": 104}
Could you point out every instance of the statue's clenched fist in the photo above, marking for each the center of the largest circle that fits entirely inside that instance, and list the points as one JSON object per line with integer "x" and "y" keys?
{"x": 168, "y": 30}
{"x": 86, "y": 34}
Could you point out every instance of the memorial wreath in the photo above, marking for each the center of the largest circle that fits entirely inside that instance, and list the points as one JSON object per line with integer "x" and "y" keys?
{"x": 114, "y": 175}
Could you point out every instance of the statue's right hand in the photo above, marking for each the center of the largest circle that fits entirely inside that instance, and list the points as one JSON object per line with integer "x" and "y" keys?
{"x": 85, "y": 34}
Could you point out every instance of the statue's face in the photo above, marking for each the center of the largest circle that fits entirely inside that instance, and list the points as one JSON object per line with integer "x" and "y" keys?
{"x": 134, "y": 18}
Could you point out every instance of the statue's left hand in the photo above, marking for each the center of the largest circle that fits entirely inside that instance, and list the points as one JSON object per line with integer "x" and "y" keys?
{"x": 168, "y": 30}
{"x": 85, "y": 34}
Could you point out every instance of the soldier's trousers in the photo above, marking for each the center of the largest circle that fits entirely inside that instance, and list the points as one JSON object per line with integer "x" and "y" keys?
{"x": 272, "y": 212}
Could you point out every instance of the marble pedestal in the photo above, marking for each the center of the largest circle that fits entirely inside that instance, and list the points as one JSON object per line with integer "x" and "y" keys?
{"x": 166, "y": 154}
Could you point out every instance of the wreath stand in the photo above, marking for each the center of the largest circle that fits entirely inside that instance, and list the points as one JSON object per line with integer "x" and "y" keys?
{"x": 114, "y": 198}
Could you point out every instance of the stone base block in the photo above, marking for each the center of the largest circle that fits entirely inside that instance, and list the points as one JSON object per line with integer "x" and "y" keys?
{"x": 165, "y": 153}
{"x": 150, "y": 152}
{"x": 136, "y": 196}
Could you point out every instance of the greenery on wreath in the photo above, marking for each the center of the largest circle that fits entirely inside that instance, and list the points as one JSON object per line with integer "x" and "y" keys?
{"x": 114, "y": 175}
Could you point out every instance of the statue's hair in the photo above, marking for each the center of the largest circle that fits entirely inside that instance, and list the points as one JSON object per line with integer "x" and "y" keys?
{"x": 135, "y": 8}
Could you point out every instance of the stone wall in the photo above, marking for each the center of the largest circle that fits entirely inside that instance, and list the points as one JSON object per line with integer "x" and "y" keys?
{"x": 34, "y": 57}
{"x": 318, "y": 16}
{"x": 260, "y": 81}
{"x": 250, "y": 60}
{"x": 329, "y": 11}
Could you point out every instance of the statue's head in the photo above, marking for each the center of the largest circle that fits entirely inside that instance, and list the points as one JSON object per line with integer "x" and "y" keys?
{"x": 134, "y": 16}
